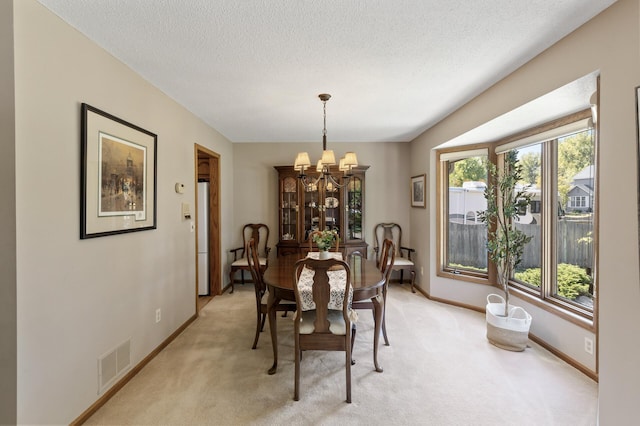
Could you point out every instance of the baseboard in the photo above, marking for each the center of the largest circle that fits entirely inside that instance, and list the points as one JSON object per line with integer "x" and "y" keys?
{"x": 572, "y": 362}
{"x": 127, "y": 377}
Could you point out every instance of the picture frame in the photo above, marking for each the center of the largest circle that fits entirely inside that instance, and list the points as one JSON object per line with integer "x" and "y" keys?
{"x": 638, "y": 151}
{"x": 419, "y": 191}
{"x": 118, "y": 175}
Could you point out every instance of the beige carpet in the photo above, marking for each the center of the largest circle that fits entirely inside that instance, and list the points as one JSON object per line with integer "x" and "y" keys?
{"x": 439, "y": 370}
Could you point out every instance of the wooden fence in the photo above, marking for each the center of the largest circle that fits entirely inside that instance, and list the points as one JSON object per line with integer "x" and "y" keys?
{"x": 574, "y": 244}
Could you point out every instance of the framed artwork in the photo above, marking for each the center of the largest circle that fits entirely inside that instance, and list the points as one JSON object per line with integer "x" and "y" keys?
{"x": 118, "y": 175}
{"x": 418, "y": 191}
{"x": 638, "y": 150}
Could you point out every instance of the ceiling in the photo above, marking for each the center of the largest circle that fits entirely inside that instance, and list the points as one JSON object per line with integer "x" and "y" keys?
{"x": 253, "y": 69}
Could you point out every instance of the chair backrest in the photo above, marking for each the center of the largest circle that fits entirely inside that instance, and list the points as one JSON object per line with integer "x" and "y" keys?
{"x": 314, "y": 247}
{"x": 260, "y": 233}
{"x": 322, "y": 290}
{"x": 253, "y": 260}
{"x": 390, "y": 231}
{"x": 387, "y": 258}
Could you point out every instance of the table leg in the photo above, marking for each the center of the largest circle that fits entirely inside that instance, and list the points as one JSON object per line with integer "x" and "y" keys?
{"x": 378, "y": 309}
{"x": 272, "y": 303}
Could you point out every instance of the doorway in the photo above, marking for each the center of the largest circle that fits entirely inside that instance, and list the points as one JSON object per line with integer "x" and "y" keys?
{"x": 207, "y": 166}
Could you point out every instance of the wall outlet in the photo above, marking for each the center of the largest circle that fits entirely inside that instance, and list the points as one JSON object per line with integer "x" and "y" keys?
{"x": 158, "y": 315}
{"x": 588, "y": 345}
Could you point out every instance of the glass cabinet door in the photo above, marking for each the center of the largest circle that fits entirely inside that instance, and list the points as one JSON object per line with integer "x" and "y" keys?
{"x": 311, "y": 211}
{"x": 353, "y": 209}
{"x": 289, "y": 209}
{"x": 332, "y": 208}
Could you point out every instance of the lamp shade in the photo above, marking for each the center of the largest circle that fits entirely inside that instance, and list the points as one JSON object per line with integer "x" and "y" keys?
{"x": 350, "y": 159}
{"x": 328, "y": 158}
{"x": 302, "y": 161}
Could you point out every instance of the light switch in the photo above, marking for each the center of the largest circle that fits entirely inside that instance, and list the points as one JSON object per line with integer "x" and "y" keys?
{"x": 186, "y": 212}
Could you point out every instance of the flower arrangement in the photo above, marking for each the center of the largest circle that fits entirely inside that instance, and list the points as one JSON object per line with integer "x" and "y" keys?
{"x": 324, "y": 239}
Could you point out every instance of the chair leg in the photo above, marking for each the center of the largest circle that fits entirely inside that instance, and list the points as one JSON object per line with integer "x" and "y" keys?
{"x": 296, "y": 385}
{"x": 384, "y": 329}
{"x": 264, "y": 317}
{"x": 259, "y": 324}
{"x": 401, "y": 276}
{"x": 231, "y": 274}
{"x": 413, "y": 281}
{"x": 348, "y": 372}
{"x": 353, "y": 340}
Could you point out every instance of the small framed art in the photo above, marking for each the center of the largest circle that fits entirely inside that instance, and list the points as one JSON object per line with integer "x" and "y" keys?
{"x": 418, "y": 191}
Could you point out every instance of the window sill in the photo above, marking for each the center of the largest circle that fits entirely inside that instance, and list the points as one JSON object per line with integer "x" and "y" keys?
{"x": 548, "y": 306}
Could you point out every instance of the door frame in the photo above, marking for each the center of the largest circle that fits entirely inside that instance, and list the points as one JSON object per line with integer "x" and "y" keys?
{"x": 207, "y": 165}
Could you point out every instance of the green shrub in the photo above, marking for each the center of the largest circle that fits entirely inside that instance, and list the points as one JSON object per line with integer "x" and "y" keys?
{"x": 573, "y": 281}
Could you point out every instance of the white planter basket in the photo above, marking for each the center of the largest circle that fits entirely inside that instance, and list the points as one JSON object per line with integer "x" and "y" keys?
{"x": 510, "y": 332}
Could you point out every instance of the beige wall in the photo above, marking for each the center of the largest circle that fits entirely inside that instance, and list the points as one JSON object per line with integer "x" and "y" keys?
{"x": 609, "y": 43}
{"x": 7, "y": 220}
{"x": 256, "y": 183}
{"x": 78, "y": 299}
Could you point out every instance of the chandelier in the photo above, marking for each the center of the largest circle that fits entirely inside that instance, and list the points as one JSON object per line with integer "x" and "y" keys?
{"x": 323, "y": 167}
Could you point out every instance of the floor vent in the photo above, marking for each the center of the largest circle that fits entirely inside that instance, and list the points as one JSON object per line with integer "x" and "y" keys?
{"x": 113, "y": 364}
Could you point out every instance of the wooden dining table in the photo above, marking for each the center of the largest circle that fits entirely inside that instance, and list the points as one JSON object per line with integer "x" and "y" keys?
{"x": 367, "y": 283}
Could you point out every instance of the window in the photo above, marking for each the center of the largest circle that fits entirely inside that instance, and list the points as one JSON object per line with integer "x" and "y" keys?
{"x": 465, "y": 177}
{"x": 559, "y": 173}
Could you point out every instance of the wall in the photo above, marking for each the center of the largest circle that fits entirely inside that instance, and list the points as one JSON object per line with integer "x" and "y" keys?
{"x": 7, "y": 220}
{"x": 256, "y": 183}
{"x": 609, "y": 43}
{"x": 78, "y": 299}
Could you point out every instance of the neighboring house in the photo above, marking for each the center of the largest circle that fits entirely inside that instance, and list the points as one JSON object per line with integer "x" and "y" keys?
{"x": 580, "y": 195}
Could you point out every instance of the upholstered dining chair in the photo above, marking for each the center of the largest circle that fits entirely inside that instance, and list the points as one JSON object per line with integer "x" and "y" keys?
{"x": 393, "y": 232}
{"x": 387, "y": 258}
{"x": 260, "y": 233}
{"x": 313, "y": 247}
{"x": 253, "y": 260}
{"x": 323, "y": 320}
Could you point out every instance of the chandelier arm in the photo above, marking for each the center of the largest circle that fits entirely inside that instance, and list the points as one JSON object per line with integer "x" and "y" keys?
{"x": 335, "y": 182}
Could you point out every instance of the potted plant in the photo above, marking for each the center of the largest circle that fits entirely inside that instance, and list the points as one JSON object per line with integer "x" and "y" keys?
{"x": 507, "y": 325}
{"x": 324, "y": 240}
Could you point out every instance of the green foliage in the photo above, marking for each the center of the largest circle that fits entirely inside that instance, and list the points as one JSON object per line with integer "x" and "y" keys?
{"x": 531, "y": 168}
{"x": 530, "y": 276}
{"x": 506, "y": 243}
{"x": 573, "y": 281}
{"x": 324, "y": 239}
{"x": 469, "y": 169}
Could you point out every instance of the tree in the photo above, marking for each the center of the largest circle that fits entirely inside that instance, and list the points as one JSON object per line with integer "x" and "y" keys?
{"x": 468, "y": 169}
{"x": 506, "y": 242}
{"x": 531, "y": 168}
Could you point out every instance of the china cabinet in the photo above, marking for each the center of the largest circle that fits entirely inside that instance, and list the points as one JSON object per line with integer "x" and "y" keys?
{"x": 303, "y": 210}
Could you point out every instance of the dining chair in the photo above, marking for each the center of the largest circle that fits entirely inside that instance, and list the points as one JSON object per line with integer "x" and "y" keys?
{"x": 260, "y": 233}
{"x": 393, "y": 232}
{"x": 313, "y": 247}
{"x": 387, "y": 258}
{"x": 323, "y": 320}
{"x": 253, "y": 260}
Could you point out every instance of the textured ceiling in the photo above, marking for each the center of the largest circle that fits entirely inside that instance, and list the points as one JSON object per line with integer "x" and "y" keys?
{"x": 252, "y": 69}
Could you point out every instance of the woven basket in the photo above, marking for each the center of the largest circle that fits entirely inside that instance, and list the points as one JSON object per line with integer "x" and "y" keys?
{"x": 510, "y": 332}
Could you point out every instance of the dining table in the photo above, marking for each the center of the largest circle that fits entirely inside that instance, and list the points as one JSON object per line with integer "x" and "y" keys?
{"x": 366, "y": 280}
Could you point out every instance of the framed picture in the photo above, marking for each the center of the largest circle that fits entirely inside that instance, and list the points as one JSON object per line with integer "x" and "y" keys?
{"x": 418, "y": 191}
{"x": 638, "y": 149}
{"x": 118, "y": 175}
